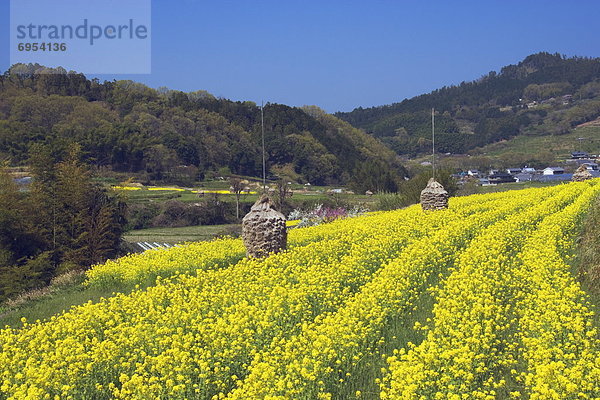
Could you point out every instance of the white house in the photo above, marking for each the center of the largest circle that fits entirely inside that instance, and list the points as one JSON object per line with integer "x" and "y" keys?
{"x": 553, "y": 171}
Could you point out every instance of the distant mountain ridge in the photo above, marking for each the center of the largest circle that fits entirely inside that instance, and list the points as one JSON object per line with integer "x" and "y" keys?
{"x": 541, "y": 95}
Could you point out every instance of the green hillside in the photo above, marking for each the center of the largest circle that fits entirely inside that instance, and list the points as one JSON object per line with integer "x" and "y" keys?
{"x": 537, "y": 151}
{"x": 543, "y": 95}
{"x": 559, "y": 147}
{"x": 167, "y": 135}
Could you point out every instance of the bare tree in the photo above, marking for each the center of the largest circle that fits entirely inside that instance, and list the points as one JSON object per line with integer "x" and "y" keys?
{"x": 283, "y": 190}
{"x": 236, "y": 187}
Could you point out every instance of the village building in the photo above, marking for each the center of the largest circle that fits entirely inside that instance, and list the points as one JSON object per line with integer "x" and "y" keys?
{"x": 524, "y": 177}
{"x": 501, "y": 177}
{"x": 553, "y": 171}
{"x": 579, "y": 155}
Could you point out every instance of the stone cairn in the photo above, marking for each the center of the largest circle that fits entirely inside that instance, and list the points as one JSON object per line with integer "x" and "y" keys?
{"x": 263, "y": 229}
{"x": 582, "y": 174}
{"x": 434, "y": 196}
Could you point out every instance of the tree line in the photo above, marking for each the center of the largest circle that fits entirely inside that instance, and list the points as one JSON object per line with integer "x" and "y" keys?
{"x": 63, "y": 221}
{"x": 176, "y": 137}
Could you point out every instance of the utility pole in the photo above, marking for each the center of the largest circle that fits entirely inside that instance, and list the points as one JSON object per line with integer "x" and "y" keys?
{"x": 264, "y": 165}
{"x": 433, "y": 142}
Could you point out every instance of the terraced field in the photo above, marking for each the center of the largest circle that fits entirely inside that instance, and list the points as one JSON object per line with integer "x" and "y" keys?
{"x": 474, "y": 302}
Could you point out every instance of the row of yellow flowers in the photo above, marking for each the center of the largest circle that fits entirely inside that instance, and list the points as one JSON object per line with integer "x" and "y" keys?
{"x": 313, "y": 363}
{"x": 151, "y": 326}
{"x": 126, "y": 188}
{"x": 143, "y": 269}
{"x": 269, "y": 301}
{"x": 474, "y": 348}
{"x": 560, "y": 344}
{"x": 176, "y": 189}
{"x": 186, "y": 336}
{"x": 296, "y": 324}
{"x": 192, "y": 258}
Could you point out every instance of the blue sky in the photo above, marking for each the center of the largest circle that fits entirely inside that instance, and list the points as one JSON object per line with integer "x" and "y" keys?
{"x": 344, "y": 54}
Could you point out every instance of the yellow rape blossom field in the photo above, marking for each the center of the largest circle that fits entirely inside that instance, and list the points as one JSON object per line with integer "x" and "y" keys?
{"x": 474, "y": 302}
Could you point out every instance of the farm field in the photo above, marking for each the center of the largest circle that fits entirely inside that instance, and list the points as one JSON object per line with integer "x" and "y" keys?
{"x": 474, "y": 302}
{"x": 584, "y": 138}
{"x": 299, "y": 192}
{"x": 181, "y": 234}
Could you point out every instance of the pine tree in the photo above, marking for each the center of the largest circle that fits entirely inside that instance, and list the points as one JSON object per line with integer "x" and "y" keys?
{"x": 23, "y": 264}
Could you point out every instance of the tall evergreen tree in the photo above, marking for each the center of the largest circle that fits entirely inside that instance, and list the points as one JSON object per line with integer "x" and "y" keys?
{"x": 23, "y": 264}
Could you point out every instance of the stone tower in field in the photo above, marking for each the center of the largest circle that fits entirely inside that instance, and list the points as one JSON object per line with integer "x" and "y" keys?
{"x": 434, "y": 196}
{"x": 582, "y": 174}
{"x": 263, "y": 229}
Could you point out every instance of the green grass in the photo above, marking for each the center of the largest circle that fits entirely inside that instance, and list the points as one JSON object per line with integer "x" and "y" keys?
{"x": 146, "y": 196}
{"x": 51, "y": 301}
{"x": 182, "y": 234}
{"x": 587, "y": 261}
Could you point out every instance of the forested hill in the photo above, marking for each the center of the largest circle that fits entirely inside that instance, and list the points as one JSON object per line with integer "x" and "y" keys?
{"x": 545, "y": 94}
{"x": 171, "y": 135}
